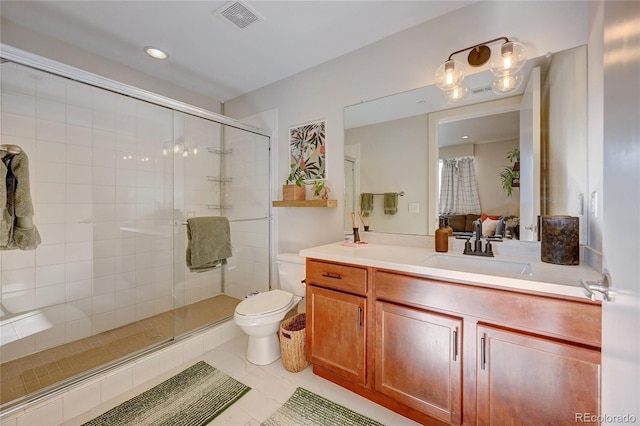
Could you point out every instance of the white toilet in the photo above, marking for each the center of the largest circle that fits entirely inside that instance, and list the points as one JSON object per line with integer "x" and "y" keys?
{"x": 260, "y": 315}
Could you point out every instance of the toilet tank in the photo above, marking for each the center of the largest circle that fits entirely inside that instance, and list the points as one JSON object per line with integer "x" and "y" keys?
{"x": 291, "y": 271}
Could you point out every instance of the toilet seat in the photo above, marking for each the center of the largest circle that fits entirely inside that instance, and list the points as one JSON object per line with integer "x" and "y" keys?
{"x": 264, "y": 303}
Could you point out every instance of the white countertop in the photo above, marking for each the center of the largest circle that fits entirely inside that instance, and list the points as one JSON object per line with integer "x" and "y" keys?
{"x": 548, "y": 279}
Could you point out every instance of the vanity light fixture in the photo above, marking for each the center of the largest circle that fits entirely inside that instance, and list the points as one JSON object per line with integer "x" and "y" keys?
{"x": 156, "y": 53}
{"x": 507, "y": 68}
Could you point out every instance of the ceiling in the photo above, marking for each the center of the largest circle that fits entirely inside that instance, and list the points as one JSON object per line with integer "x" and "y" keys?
{"x": 210, "y": 55}
{"x": 489, "y": 128}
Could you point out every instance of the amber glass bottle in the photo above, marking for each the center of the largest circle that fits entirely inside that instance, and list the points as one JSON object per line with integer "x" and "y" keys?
{"x": 442, "y": 238}
{"x": 449, "y": 228}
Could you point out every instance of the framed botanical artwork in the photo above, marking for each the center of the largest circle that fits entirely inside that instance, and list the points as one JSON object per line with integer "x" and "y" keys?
{"x": 307, "y": 151}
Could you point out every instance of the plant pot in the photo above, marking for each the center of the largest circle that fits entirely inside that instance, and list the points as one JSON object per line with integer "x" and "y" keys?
{"x": 293, "y": 193}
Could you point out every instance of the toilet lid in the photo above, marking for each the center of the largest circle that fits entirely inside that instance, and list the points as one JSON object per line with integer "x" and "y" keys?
{"x": 264, "y": 303}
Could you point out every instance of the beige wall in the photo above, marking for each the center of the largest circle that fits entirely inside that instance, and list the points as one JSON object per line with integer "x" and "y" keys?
{"x": 490, "y": 161}
{"x": 461, "y": 150}
{"x": 564, "y": 145}
{"x": 393, "y": 158}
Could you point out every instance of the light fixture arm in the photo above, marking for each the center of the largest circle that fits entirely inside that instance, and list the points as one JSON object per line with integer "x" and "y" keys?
{"x": 506, "y": 40}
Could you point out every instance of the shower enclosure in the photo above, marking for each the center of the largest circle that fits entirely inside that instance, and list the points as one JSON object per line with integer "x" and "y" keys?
{"x": 115, "y": 172}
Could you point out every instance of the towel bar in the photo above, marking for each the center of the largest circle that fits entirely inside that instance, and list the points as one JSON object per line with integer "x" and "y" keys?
{"x": 231, "y": 220}
{"x": 401, "y": 193}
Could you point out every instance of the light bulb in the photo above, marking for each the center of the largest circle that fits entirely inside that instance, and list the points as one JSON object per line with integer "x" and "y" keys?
{"x": 449, "y": 75}
{"x": 512, "y": 58}
{"x": 507, "y": 83}
{"x": 458, "y": 93}
{"x": 156, "y": 53}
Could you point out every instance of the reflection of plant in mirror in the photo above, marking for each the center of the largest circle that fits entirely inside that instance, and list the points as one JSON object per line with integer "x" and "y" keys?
{"x": 510, "y": 176}
{"x": 512, "y": 222}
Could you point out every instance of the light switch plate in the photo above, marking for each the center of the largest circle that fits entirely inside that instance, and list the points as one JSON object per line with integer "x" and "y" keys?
{"x": 414, "y": 207}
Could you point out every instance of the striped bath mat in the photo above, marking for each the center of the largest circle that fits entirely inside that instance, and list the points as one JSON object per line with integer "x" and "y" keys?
{"x": 307, "y": 408}
{"x": 191, "y": 398}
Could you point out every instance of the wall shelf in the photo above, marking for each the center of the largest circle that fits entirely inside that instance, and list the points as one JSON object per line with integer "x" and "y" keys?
{"x": 306, "y": 203}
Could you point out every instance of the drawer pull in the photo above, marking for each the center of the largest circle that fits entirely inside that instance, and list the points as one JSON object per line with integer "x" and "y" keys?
{"x": 329, "y": 275}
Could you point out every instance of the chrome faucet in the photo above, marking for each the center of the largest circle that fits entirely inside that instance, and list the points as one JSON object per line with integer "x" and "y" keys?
{"x": 477, "y": 243}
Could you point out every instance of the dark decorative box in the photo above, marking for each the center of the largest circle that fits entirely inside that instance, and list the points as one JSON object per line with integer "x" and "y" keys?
{"x": 560, "y": 240}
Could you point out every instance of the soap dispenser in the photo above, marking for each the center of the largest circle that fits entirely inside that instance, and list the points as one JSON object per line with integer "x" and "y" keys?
{"x": 448, "y": 227}
{"x": 442, "y": 237}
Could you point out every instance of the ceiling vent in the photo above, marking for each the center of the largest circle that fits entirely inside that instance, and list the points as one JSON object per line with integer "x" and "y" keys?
{"x": 239, "y": 14}
{"x": 481, "y": 90}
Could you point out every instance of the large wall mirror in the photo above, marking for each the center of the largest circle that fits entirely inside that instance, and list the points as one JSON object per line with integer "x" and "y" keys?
{"x": 395, "y": 144}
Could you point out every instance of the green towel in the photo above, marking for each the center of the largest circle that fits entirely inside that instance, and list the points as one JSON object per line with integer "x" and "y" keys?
{"x": 390, "y": 202}
{"x": 366, "y": 203}
{"x": 17, "y": 230}
{"x": 209, "y": 242}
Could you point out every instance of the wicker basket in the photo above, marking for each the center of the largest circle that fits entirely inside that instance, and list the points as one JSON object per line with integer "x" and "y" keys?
{"x": 293, "y": 343}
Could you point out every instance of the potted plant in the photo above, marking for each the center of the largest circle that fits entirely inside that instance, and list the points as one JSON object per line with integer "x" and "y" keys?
{"x": 510, "y": 176}
{"x": 293, "y": 189}
{"x": 320, "y": 190}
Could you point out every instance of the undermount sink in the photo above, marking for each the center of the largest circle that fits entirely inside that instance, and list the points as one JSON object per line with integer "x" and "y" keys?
{"x": 480, "y": 265}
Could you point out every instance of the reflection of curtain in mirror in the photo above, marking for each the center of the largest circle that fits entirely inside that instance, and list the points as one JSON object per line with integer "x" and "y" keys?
{"x": 459, "y": 187}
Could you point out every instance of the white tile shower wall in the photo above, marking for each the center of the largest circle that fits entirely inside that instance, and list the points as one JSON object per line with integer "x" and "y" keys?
{"x": 248, "y": 195}
{"x": 103, "y": 197}
{"x": 244, "y": 168}
{"x": 200, "y": 192}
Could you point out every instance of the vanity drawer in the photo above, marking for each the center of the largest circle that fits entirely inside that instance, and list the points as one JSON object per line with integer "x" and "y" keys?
{"x": 337, "y": 276}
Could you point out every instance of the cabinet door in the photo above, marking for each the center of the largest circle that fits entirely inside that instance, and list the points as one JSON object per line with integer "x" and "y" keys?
{"x": 528, "y": 380}
{"x": 337, "y": 327}
{"x": 418, "y": 361}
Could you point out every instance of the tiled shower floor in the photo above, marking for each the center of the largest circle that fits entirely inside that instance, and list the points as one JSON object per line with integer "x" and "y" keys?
{"x": 32, "y": 373}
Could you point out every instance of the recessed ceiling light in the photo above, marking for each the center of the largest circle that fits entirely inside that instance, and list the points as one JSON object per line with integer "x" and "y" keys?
{"x": 154, "y": 52}
{"x": 465, "y": 137}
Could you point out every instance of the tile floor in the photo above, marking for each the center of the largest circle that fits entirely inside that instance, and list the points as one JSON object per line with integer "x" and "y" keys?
{"x": 271, "y": 386}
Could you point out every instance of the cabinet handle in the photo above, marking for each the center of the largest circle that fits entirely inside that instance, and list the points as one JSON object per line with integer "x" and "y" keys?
{"x": 360, "y": 310}
{"x": 483, "y": 355}
{"x": 330, "y": 275}
{"x": 455, "y": 344}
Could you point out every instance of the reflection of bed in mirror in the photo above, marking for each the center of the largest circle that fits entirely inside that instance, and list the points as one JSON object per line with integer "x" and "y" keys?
{"x": 393, "y": 142}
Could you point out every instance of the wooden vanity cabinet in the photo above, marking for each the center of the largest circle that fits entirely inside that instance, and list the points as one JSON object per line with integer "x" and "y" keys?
{"x": 530, "y": 380}
{"x": 450, "y": 353}
{"x": 418, "y": 360}
{"x": 337, "y": 319}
